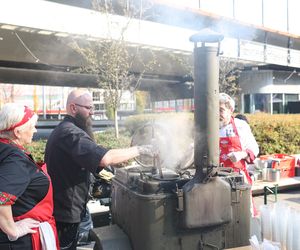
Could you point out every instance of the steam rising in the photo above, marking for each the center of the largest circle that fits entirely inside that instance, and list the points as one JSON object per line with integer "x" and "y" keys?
{"x": 172, "y": 136}
{"x": 176, "y": 140}
{"x": 222, "y": 23}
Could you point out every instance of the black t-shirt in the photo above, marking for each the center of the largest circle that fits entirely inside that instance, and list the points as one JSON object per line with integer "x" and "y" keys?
{"x": 22, "y": 183}
{"x": 70, "y": 156}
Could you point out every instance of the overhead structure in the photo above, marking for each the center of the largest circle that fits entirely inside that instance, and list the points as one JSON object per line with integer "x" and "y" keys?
{"x": 34, "y": 45}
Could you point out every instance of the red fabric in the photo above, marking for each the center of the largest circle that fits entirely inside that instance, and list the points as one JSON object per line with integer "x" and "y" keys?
{"x": 28, "y": 114}
{"x": 8, "y": 141}
{"x": 7, "y": 199}
{"x": 251, "y": 157}
{"x": 42, "y": 212}
{"x": 233, "y": 144}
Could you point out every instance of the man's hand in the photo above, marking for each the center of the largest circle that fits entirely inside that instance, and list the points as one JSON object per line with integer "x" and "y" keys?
{"x": 148, "y": 150}
{"x": 24, "y": 227}
{"x": 237, "y": 156}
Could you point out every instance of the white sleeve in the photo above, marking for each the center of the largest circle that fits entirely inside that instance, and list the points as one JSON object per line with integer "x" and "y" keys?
{"x": 246, "y": 137}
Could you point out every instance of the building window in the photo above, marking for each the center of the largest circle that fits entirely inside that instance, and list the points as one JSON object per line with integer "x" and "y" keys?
{"x": 97, "y": 107}
{"x": 96, "y": 96}
{"x": 277, "y": 103}
{"x": 101, "y": 106}
{"x": 262, "y": 103}
{"x": 292, "y": 103}
{"x": 247, "y": 103}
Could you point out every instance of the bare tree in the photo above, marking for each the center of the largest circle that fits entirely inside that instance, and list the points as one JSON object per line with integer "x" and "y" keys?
{"x": 112, "y": 60}
{"x": 9, "y": 92}
{"x": 229, "y": 74}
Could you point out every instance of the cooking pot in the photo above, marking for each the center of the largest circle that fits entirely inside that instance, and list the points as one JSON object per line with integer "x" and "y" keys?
{"x": 166, "y": 176}
{"x": 272, "y": 174}
{"x": 257, "y": 175}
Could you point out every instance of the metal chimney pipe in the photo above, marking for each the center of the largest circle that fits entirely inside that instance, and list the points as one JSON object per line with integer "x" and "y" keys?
{"x": 206, "y": 101}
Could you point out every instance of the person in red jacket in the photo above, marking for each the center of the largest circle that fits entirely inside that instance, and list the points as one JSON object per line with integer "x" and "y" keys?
{"x": 26, "y": 203}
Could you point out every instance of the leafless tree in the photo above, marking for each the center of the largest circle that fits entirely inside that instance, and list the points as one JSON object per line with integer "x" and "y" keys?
{"x": 9, "y": 92}
{"x": 229, "y": 74}
{"x": 112, "y": 59}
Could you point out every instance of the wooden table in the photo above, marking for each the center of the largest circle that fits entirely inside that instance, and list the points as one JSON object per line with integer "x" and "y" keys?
{"x": 283, "y": 184}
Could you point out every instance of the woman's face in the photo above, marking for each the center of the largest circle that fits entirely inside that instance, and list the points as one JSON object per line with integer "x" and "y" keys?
{"x": 24, "y": 135}
{"x": 225, "y": 115}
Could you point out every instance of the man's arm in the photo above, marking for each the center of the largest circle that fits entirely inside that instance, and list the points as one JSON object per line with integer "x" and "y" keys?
{"x": 249, "y": 143}
{"x": 115, "y": 156}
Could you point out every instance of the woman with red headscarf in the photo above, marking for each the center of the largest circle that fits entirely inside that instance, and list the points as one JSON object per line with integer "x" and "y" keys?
{"x": 26, "y": 203}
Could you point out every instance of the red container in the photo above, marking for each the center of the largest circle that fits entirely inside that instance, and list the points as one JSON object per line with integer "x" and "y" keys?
{"x": 286, "y": 164}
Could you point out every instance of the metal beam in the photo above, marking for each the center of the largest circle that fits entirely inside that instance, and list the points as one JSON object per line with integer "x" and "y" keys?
{"x": 162, "y": 87}
{"x": 46, "y": 77}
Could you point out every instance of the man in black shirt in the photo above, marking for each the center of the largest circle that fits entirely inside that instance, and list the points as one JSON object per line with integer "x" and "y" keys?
{"x": 71, "y": 155}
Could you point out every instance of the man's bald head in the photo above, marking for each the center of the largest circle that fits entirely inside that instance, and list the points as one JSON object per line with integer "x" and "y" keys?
{"x": 78, "y": 96}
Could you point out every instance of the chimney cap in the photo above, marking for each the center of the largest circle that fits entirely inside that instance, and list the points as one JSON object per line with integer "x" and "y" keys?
{"x": 207, "y": 36}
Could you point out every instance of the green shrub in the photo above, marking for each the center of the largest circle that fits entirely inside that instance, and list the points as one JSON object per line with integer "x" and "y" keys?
{"x": 107, "y": 139}
{"x": 37, "y": 149}
{"x": 274, "y": 133}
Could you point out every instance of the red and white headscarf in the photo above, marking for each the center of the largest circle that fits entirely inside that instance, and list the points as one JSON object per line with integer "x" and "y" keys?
{"x": 28, "y": 114}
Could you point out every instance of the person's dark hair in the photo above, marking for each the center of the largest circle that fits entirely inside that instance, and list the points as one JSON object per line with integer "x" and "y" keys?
{"x": 242, "y": 117}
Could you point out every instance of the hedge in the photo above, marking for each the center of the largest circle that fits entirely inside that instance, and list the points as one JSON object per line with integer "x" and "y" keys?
{"x": 274, "y": 133}
{"x": 106, "y": 139}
